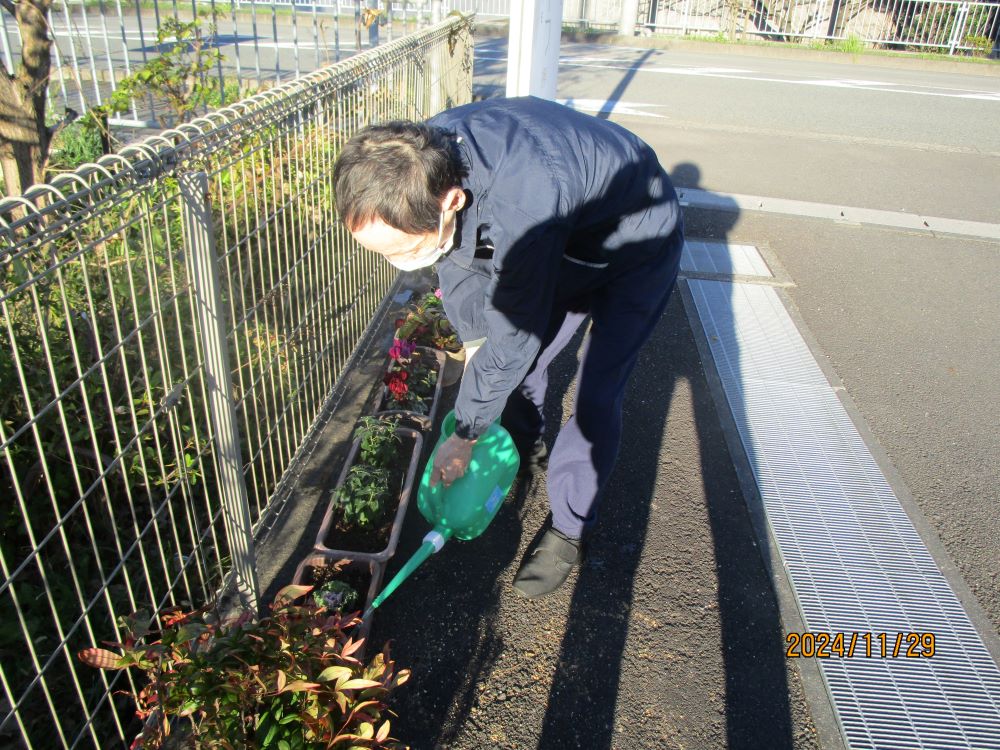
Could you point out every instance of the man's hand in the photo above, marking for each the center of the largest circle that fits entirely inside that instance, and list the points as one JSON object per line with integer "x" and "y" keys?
{"x": 451, "y": 460}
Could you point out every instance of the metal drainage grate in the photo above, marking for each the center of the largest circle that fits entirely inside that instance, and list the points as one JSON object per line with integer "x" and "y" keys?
{"x": 723, "y": 258}
{"x": 855, "y": 561}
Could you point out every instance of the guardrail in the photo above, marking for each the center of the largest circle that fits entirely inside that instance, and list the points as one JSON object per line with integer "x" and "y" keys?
{"x": 943, "y": 25}
{"x": 173, "y": 319}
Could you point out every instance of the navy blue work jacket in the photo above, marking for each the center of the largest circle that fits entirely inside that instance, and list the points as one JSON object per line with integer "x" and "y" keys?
{"x": 556, "y": 201}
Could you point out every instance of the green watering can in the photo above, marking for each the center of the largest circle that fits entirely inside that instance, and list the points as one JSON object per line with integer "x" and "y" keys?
{"x": 464, "y": 509}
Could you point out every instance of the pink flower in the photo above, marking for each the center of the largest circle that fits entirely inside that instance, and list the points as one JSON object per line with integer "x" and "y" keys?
{"x": 437, "y": 293}
{"x": 401, "y": 349}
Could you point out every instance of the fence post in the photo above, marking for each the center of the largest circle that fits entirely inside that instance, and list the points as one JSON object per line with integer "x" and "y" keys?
{"x": 199, "y": 237}
{"x": 958, "y": 30}
{"x": 436, "y": 99}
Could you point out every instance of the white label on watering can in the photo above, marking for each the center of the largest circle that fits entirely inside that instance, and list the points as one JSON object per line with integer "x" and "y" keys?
{"x": 496, "y": 497}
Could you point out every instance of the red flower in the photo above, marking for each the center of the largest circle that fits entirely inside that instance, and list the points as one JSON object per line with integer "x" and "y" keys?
{"x": 396, "y": 382}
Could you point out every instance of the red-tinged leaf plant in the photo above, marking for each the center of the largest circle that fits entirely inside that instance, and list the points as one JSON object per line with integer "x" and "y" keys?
{"x": 425, "y": 324}
{"x": 288, "y": 681}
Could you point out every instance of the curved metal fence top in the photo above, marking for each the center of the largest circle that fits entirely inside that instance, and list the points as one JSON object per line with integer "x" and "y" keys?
{"x": 48, "y": 210}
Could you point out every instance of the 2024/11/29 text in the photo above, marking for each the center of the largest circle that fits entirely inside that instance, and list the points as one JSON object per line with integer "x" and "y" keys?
{"x": 881, "y": 645}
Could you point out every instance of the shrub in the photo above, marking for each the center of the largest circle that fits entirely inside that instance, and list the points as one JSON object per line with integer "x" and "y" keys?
{"x": 289, "y": 680}
{"x": 180, "y": 75}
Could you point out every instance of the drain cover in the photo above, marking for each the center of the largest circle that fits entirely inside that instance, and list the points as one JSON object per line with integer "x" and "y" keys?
{"x": 857, "y": 565}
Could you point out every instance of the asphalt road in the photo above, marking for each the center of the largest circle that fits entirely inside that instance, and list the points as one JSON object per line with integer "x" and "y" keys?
{"x": 908, "y": 321}
{"x": 899, "y": 140}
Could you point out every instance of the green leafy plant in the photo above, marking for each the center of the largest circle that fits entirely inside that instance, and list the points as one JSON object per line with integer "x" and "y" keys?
{"x": 77, "y": 143}
{"x": 981, "y": 45}
{"x": 180, "y": 75}
{"x": 290, "y": 680}
{"x": 379, "y": 440}
{"x": 363, "y": 496}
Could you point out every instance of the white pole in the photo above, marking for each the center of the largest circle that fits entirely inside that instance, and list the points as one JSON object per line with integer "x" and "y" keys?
{"x": 533, "y": 48}
{"x": 630, "y": 16}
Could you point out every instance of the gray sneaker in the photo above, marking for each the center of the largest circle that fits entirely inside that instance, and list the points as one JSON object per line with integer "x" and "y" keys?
{"x": 547, "y": 566}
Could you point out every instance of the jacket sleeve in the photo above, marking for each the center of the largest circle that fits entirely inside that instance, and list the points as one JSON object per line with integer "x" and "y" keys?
{"x": 517, "y": 309}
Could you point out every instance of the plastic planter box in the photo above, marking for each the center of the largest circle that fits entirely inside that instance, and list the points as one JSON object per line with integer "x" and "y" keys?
{"x": 410, "y": 468}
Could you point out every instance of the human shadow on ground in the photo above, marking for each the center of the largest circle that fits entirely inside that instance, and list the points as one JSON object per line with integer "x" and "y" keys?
{"x": 758, "y": 710}
{"x": 583, "y": 699}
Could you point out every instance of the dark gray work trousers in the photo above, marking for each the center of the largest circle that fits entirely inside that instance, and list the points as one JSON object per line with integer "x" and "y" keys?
{"x": 624, "y": 304}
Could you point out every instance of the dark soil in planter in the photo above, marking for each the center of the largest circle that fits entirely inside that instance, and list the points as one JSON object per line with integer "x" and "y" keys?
{"x": 376, "y": 538}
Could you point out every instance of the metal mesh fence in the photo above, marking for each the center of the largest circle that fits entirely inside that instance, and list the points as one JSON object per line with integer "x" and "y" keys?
{"x": 197, "y": 276}
{"x": 97, "y": 43}
{"x": 937, "y": 25}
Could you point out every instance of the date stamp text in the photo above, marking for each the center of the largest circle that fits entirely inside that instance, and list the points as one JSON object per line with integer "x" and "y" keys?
{"x": 869, "y": 645}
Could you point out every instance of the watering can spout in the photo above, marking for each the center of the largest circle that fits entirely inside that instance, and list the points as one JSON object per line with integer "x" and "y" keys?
{"x": 433, "y": 542}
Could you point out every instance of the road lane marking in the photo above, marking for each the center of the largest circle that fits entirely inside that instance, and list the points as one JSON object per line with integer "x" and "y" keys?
{"x": 853, "y": 84}
{"x": 603, "y": 106}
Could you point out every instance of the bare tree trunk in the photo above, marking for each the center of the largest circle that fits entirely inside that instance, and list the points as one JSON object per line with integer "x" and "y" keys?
{"x": 24, "y": 138}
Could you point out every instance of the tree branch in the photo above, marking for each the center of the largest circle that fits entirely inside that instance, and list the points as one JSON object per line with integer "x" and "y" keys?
{"x": 70, "y": 115}
{"x": 8, "y": 6}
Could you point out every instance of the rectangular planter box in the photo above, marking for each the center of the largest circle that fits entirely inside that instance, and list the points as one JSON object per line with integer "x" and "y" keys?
{"x": 410, "y": 473}
{"x": 375, "y": 571}
{"x": 438, "y": 358}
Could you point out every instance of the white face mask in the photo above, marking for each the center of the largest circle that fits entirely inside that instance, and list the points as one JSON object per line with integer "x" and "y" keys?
{"x": 428, "y": 257}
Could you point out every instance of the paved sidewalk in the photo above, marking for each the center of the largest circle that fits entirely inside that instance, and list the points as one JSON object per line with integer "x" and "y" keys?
{"x": 669, "y": 636}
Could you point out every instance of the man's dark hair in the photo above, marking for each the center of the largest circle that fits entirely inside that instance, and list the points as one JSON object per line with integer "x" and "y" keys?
{"x": 398, "y": 172}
